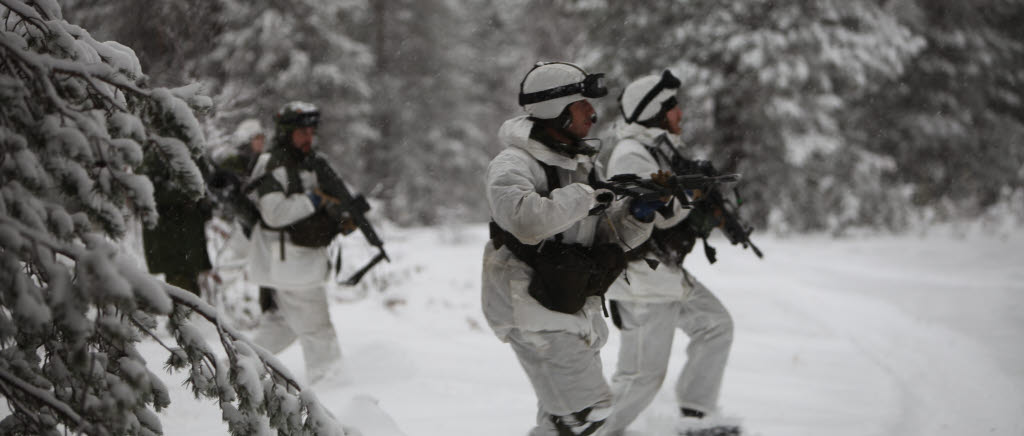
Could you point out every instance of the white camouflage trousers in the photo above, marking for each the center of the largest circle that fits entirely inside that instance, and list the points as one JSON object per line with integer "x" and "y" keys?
{"x": 566, "y": 374}
{"x": 647, "y": 331}
{"x": 301, "y": 315}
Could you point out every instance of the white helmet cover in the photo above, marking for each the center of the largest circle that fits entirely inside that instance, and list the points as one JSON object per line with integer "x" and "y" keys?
{"x": 649, "y": 91}
{"x": 567, "y": 82}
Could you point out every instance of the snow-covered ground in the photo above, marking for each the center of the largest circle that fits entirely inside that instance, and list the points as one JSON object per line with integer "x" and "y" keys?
{"x": 881, "y": 336}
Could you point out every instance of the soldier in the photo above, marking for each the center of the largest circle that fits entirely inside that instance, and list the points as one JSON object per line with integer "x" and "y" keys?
{"x": 660, "y": 294}
{"x": 248, "y": 142}
{"x": 289, "y": 243}
{"x": 555, "y": 247}
{"x": 233, "y": 166}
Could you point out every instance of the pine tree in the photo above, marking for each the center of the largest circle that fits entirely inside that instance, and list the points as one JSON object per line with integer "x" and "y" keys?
{"x": 76, "y": 122}
{"x": 954, "y": 123}
{"x": 270, "y": 52}
{"x": 253, "y": 57}
{"x": 771, "y": 81}
{"x": 432, "y": 107}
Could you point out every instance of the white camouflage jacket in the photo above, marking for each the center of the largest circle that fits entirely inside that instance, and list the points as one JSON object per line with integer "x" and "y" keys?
{"x": 630, "y": 156}
{"x": 513, "y": 180}
{"x": 291, "y": 267}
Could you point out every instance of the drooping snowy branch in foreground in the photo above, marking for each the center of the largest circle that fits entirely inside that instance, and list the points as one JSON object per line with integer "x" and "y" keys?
{"x": 76, "y": 122}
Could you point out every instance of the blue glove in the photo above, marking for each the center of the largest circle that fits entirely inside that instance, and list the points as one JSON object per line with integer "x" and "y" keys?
{"x": 316, "y": 199}
{"x": 643, "y": 210}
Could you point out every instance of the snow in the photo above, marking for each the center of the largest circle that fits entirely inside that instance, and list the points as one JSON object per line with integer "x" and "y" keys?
{"x": 147, "y": 291}
{"x": 126, "y": 125}
{"x": 119, "y": 56}
{"x": 171, "y": 103}
{"x": 248, "y": 374}
{"x": 98, "y": 273}
{"x": 884, "y": 335}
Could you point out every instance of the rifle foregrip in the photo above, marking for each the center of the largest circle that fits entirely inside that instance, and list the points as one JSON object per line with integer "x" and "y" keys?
{"x": 368, "y": 232}
{"x": 359, "y": 205}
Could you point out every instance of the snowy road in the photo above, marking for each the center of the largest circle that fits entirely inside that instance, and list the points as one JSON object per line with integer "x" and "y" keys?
{"x": 891, "y": 336}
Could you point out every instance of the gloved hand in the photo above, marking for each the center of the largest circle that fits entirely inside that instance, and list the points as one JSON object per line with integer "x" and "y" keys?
{"x": 348, "y": 226}
{"x": 315, "y": 198}
{"x": 318, "y": 198}
{"x": 643, "y": 210}
{"x": 335, "y": 211}
{"x": 602, "y": 199}
{"x": 661, "y": 177}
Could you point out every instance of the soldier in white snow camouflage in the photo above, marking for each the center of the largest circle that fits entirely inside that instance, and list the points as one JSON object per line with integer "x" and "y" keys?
{"x": 546, "y": 216}
{"x": 283, "y": 256}
{"x": 660, "y": 294}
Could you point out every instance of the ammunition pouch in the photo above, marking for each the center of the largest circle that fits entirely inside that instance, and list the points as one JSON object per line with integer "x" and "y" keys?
{"x": 317, "y": 230}
{"x": 670, "y": 246}
{"x": 564, "y": 275}
{"x": 702, "y": 219}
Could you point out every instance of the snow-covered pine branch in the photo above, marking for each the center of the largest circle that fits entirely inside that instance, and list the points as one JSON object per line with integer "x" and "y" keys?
{"x": 76, "y": 124}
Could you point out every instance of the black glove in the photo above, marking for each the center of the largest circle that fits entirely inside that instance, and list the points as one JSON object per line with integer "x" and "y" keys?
{"x": 602, "y": 199}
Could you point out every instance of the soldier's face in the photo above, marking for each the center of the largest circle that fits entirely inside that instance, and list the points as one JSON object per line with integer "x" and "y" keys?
{"x": 583, "y": 118}
{"x": 675, "y": 120}
{"x": 302, "y": 138}
{"x": 257, "y": 144}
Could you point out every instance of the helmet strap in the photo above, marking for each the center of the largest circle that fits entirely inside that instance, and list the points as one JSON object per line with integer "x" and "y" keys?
{"x": 659, "y": 121}
{"x": 550, "y": 133}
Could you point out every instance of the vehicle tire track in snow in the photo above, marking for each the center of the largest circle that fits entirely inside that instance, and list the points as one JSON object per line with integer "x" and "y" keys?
{"x": 894, "y": 424}
{"x": 793, "y": 373}
{"x": 950, "y": 385}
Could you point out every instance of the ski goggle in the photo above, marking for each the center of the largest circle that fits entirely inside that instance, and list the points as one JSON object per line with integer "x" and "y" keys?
{"x": 300, "y": 119}
{"x": 592, "y": 86}
{"x": 668, "y": 81}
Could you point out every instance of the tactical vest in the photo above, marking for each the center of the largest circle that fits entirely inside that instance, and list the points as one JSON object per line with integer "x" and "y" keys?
{"x": 316, "y": 230}
{"x": 564, "y": 275}
{"x": 671, "y": 245}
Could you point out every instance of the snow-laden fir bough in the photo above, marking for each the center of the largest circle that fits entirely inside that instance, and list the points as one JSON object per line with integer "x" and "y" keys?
{"x": 76, "y": 121}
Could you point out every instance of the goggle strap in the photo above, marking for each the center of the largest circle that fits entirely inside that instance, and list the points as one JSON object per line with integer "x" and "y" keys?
{"x": 551, "y": 94}
{"x": 589, "y": 87}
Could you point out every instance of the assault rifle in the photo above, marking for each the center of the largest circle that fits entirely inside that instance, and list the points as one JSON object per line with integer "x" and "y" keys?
{"x": 711, "y": 209}
{"x": 227, "y": 188}
{"x": 355, "y": 207}
{"x": 680, "y": 186}
{"x": 736, "y": 231}
{"x": 714, "y": 210}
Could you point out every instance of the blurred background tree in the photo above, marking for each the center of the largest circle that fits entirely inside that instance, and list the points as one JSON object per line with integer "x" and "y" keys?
{"x": 840, "y": 114}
